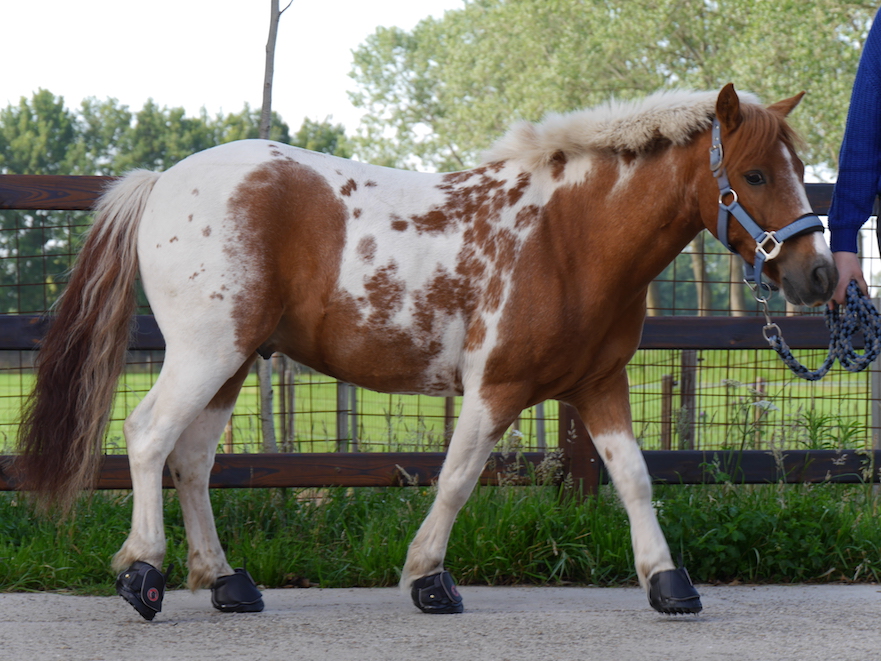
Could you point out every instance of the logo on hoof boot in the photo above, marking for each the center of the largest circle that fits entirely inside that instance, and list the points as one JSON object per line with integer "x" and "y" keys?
{"x": 673, "y": 593}
{"x": 437, "y": 594}
{"x": 143, "y": 586}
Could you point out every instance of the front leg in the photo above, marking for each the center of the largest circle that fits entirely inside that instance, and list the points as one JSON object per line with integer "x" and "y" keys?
{"x": 477, "y": 431}
{"x": 605, "y": 410}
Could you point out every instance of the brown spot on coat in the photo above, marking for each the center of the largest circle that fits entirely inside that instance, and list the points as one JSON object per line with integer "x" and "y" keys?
{"x": 558, "y": 165}
{"x": 356, "y": 213}
{"x": 206, "y": 231}
{"x": 173, "y": 239}
{"x": 367, "y": 248}
{"x": 290, "y": 234}
{"x": 608, "y": 454}
{"x": 476, "y": 335}
{"x": 385, "y": 293}
{"x": 399, "y": 225}
{"x": 348, "y": 188}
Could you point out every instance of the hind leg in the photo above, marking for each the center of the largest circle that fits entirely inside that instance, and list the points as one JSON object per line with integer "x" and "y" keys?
{"x": 190, "y": 463}
{"x": 185, "y": 387}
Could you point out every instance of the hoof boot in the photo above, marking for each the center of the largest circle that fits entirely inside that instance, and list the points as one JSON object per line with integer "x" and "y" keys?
{"x": 437, "y": 594}
{"x": 143, "y": 586}
{"x": 236, "y": 593}
{"x": 672, "y": 592}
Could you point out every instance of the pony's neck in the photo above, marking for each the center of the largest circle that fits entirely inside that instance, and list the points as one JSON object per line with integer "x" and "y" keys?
{"x": 640, "y": 213}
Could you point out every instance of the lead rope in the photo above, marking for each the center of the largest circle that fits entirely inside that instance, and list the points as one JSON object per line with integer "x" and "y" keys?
{"x": 857, "y": 315}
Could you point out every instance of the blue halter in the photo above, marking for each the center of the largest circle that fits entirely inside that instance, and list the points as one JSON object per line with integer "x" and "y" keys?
{"x": 768, "y": 244}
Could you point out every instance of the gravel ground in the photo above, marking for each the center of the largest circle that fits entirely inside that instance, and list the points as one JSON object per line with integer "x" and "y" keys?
{"x": 500, "y": 624}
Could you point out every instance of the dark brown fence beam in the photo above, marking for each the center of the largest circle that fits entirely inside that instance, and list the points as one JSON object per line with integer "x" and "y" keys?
{"x": 388, "y": 469}
{"x": 349, "y": 469}
{"x": 761, "y": 467}
{"x": 50, "y": 192}
{"x": 71, "y": 193}
{"x": 23, "y": 332}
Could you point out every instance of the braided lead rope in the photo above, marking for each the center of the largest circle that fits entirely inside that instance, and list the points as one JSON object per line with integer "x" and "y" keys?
{"x": 857, "y": 315}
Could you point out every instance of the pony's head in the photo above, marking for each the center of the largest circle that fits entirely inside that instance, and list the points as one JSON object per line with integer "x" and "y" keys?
{"x": 760, "y": 178}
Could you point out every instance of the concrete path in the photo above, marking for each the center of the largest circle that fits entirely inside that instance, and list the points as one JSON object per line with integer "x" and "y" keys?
{"x": 500, "y": 624}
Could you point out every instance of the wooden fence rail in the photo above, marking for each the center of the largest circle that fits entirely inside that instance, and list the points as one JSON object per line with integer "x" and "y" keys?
{"x": 69, "y": 193}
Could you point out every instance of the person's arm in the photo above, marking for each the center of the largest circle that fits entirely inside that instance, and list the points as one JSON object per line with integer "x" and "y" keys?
{"x": 859, "y": 165}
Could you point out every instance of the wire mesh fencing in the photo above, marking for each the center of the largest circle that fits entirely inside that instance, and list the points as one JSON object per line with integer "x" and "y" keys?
{"x": 680, "y": 399}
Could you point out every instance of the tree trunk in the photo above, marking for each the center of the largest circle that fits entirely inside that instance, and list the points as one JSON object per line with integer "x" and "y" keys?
{"x": 264, "y": 367}
{"x": 699, "y": 268}
{"x": 736, "y": 294}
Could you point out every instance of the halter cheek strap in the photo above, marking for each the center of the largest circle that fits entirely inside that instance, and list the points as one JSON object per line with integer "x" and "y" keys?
{"x": 768, "y": 244}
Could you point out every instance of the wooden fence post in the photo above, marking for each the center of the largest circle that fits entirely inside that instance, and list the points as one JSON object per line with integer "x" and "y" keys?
{"x": 449, "y": 419}
{"x": 667, "y": 384}
{"x": 580, "y": 457}
{"x": 343, "y": 413}
{"x": 687, "y": 394}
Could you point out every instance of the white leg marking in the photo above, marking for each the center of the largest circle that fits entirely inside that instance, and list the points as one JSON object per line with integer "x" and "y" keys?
{"x": 626, "y": 465}
{"x": 474, "y": 438}
{"x": 190, "y": 463}
{"x": 184, "y": 387}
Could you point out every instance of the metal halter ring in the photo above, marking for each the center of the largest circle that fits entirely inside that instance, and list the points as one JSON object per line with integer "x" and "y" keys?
{"x": 723, "y": 193}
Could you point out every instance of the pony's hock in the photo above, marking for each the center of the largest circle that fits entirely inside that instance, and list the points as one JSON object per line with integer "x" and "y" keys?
{"x": 143, "y": 586}
{"x": 236, "y": 593}
{"x": 672, "y": 592}
{"x": 437, "y": 594}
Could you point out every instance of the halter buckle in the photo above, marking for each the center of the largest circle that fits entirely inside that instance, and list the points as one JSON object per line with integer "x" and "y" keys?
{"x": 716, "y": 157}
{"x": 763, "y": 240}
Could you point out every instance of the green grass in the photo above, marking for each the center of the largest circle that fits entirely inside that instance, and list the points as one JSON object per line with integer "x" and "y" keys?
{"x": 504, "y": 535}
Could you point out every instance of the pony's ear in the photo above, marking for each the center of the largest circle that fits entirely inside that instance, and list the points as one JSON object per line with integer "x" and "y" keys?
{"x": 786, "y": 106}
{"x": 728, "y": 108}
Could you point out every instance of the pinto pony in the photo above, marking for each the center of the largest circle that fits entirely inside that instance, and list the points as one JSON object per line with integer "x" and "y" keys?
{"x": 518, "y": 281}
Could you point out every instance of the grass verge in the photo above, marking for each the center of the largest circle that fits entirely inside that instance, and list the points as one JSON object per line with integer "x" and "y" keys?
{"x": 504, "y": 535}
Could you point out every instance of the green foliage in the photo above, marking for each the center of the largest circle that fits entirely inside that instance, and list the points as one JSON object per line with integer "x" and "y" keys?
{"x": 443, "y": 91}
{"x": 41, "y": 136}
{"x": 504, "y": 535}
{"x": 773, "y": 533}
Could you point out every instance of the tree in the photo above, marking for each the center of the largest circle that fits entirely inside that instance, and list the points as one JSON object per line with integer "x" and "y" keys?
{"x": 323, "y": 137}
{"x": 445, "y": 90}
{"x": 40, "y": 135}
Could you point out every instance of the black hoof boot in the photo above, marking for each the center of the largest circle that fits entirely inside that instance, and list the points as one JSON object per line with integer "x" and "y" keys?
{"x": 672, "y": 592}
{"x": 436, "y": 594}
{"x": 143, "y": 586}
{"x": 236, "y": 593}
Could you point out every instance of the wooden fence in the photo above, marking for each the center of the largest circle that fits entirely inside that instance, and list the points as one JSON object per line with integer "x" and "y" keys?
{"x": 69, "y": 193}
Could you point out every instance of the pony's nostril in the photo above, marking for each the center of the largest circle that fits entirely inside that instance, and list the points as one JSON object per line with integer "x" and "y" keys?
{"x": 825, "y": 277}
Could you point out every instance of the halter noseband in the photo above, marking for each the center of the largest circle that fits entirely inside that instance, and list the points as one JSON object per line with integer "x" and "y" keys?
{"x": 768, "y": 244}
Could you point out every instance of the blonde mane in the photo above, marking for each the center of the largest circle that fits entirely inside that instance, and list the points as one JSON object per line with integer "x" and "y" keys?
{"x": 618, "y": 126}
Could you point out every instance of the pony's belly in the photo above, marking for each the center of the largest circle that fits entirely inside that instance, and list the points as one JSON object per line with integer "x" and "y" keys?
{"x": 389, "y": 357}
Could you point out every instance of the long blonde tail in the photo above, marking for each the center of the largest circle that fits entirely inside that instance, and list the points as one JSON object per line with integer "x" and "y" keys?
{"x": 82, "y": 355}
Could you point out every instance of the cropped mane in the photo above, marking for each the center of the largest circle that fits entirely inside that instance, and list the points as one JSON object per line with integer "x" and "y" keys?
{"x": 617, "y": 126}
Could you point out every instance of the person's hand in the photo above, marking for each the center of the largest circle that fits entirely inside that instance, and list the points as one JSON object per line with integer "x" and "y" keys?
{"x": 848, "y": 264}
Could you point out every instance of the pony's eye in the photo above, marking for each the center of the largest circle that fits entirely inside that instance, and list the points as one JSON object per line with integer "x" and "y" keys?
{"x": 754, "y": 178}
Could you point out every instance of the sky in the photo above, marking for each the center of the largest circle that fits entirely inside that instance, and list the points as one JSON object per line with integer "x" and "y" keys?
{"x": 195, "y": 54}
